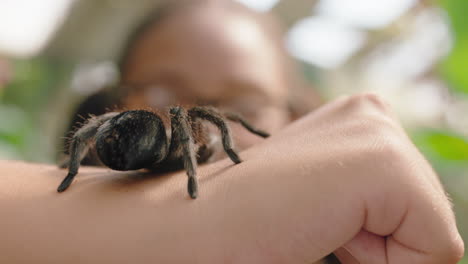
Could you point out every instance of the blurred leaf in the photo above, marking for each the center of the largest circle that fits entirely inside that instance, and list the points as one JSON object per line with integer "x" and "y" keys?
{"x": 23, "y": 105}
{"x": 442, "y": 145}
{"x": 14, "y": 130}
{"x": 455, "y": 67}
{"x": 33, "y": 83}
{"x": 12, "y": 119}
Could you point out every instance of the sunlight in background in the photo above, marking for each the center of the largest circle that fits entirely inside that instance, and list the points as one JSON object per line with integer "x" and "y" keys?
{"x": 333, "y": 35}
{"x": 26, "y": 26}
{"x": 424, "y": 42}
{"x": 260, "y": 5}
{"x": 370, "y": 14}
{"x": 323, "y": 42}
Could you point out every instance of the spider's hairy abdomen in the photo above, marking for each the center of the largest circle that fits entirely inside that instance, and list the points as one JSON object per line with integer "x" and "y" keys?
{"x": 132, "y": 140}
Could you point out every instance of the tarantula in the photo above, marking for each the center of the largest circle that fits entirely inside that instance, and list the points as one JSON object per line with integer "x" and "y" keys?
{"x": 137, "y": 139}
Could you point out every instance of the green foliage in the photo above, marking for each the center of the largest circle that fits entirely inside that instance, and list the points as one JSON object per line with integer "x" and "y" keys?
{"x": 22, "y": 103}
{"x": 15, "y": 127}
{"x": 464, "y": 261}
{"x": 455, "y": 67}
{"x": 447, "y": 152}
{"x": 442, "y": 145}
{"x": 34, "y": 82}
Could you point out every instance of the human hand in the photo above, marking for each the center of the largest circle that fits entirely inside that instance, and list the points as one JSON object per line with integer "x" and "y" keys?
{"x": 370, "y": 163}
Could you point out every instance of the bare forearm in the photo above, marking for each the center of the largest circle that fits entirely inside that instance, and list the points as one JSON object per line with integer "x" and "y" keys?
{"x": 113, "y": 217}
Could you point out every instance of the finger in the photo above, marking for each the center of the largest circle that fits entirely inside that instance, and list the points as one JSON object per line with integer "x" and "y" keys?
{"x": 364, "y": 248}
{"x": 345, "y": 256}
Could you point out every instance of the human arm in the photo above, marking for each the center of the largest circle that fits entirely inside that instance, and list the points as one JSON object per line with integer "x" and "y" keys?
{"x": 345, "y": 175}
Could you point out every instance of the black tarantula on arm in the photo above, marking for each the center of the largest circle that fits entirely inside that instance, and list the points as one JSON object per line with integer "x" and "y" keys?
{"x": 137, "y": 139}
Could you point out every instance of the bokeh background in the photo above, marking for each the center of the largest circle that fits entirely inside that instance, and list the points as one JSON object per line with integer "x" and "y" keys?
{"x": 414, "y": 53}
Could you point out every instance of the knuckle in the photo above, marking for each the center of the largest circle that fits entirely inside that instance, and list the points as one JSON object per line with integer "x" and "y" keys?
{"x": 373, "y": 113}
{"x": 369, "y": 101}
{"x": 374, "y": 126}
{"x": 375, "y": 99}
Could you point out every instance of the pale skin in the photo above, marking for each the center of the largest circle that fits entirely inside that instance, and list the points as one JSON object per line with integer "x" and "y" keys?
{"x": 343, "y": 179}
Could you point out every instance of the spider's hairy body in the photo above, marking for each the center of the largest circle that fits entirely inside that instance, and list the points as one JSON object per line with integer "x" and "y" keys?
{"x": 127, "y": 143}
{"x": 137, "y": 139}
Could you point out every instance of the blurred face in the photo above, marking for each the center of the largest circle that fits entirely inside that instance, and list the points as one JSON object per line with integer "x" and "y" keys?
{"x": 209, "y": 55}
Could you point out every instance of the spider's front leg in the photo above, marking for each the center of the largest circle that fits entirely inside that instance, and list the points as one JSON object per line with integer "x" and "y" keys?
{"x": 182, "y": 134}
{"x": 238, "y": 119}
{"x": 212, "y": 115}
{"x": 79, "y": 146}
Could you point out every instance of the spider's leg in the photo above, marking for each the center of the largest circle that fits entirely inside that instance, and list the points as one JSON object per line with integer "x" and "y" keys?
{"x": 238, "y": 119}
{"x": 212, "y": 115}
{"x": 182, "y": 133}
{"x": 79, "y": 146}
